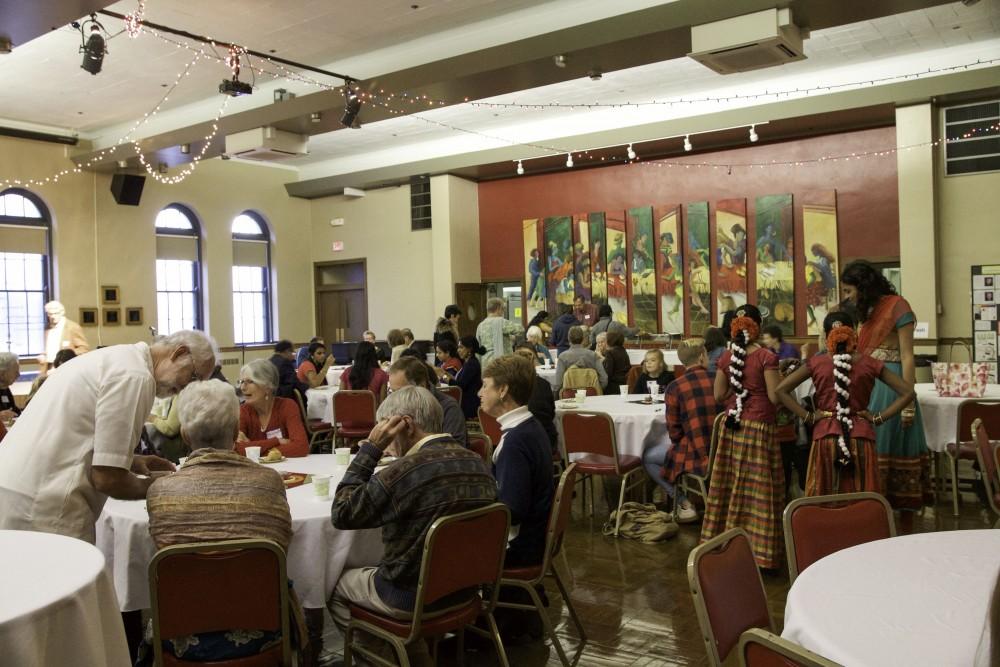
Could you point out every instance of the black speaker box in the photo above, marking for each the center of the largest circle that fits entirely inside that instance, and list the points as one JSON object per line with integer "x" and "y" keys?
{"x": 127, "y": 188}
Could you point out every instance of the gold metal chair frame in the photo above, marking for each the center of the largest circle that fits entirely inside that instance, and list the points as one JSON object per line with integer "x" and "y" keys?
{"x": 801, "y": 656}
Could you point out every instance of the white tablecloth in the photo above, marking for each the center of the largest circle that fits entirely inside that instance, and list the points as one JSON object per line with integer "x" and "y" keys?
{"x": 636, "y": 426}
{"x": 548, "y": 374}
{"x": 319, "y": 403}
{"x": 940, "y": 414}
{"x": 317, "y": 554}
{"x": 913, "y": 600}
{"x": 57, "y": 604}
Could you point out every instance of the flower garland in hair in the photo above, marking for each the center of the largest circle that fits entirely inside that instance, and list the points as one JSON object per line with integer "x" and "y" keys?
{"x": 743, "y": 330}
{"x": 842, "y": 341}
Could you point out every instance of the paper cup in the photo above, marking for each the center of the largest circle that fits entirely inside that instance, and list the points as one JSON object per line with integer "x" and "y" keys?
{"x": 321, "y": 486}
{"x": 180, "y": 461}
{"x": 343, "y": 455}
{"x": 654, "y": 387}
{"x": 547, "y": 364}
{"x": 623, "y": 390}
{"x": 581, "y": 395}
{"x": 253, "y": 453}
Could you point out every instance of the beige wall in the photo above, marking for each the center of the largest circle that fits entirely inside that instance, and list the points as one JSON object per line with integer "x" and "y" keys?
{"x": 455, "y": 218}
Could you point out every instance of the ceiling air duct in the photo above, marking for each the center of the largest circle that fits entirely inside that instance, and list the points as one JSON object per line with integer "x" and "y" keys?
{"x": 749, "y": 42}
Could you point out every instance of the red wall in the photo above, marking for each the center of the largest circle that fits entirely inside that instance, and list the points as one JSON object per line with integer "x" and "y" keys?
{"x": 867, "y": 203}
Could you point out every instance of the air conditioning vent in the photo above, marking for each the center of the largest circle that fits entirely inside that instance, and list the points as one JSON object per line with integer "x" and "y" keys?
{"x": 745, "y": 43}
{"x": 266, "y": 144}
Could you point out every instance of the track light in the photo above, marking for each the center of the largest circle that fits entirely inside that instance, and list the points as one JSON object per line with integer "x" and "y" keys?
{"x": 162, "y": 167}
{"x": 185, "y": 149}
{"x": 753, "y": 134}
{"x": 520, "y": 168}
{"x": 315, "y": 117}
{"x": 687, "y": 143}
{"x": 559, "y": 61}
{"x": 352, "y": 106}
{"x": 631, "y": 152}
{"x": 93, "y": 47}
{"x": 569, "y": 159}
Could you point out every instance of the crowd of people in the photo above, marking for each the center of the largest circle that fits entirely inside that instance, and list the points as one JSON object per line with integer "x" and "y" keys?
{"x": 55, "y": 473}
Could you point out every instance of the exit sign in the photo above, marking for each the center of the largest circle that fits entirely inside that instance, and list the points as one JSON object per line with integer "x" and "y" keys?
{"x": 338, "y": 246}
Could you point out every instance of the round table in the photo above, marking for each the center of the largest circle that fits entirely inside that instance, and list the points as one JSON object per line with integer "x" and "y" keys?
{"x": 912, "y": 600}
{"x": 319, "y": 403}
{"x": 547, "y": 374}
{"x": 940, "y": 414}
{"x": 317, "y": 554}
{"x": 637, "y": 426}
{"x": 57, "y": 604}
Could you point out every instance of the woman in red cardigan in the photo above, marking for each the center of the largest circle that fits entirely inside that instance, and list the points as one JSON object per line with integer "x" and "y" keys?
{"x": 268, "y": 421}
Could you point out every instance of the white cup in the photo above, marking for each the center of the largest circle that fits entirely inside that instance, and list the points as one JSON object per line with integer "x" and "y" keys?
{"x": 654, "y": 388}
{"x": 343, "y": 455}
{"x": 581, "y": 395}
{"x": 547, "y": 363}
{"x": 623, "y": 389}
{"x": 253, "y": 453}
{"x": 321, "y": 486}
{"x": 180, "y": 461}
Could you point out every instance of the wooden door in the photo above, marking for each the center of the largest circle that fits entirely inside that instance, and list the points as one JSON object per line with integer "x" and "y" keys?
{"x": 471, "y": 299}
{"x": 341, "y": 300}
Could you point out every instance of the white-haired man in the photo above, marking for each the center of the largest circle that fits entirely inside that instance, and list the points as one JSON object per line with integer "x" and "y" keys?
{"x": 497, "y": 333}
{"x": 72, "y": 446}
{"x": 61, "y": 333}
{"x": 10, "y": 369}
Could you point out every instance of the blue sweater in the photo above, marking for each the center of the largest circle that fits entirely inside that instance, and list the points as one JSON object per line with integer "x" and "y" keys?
{"x": 523, "y": 471}
{"x": 560, "y": 331}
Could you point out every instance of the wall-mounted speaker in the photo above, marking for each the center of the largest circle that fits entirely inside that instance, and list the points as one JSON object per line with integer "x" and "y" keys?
{"x": 127, "y": 188}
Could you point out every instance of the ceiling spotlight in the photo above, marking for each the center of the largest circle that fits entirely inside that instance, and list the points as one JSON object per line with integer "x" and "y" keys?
{"x": 559, "y": 60}
{"x": 185, "y": 149}
{"x": 631, "y": 152}
{"x": 352, "y": 106}
{"x": 162, "y": 167}
{"x": 595, "y": 75}
{"x": 93, "y": 47}
{"x": 520, "y": 168}
{"x": 122, "y": 164}
{"x": 753, "y": 134}
{"x": 687, "y": 142}
{"x": 315, "y": 117}
{"x": 569, "y": 159}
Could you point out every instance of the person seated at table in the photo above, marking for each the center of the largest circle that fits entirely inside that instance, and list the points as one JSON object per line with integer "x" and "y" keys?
{"x": 447, "y": 327}
{"x": 654, "y": 368}
{"x": 412, "y": 371}
{"x": 774, "y": 340}
{"x": 578, "y": 356}
{"x": 365, "y": 372}
{"x": 217, "y": 495}
{"x": 303, "y": 352}
{"x": 541, "y": 320}
{"x": 542, "y": 405}
{"x": 616, "y": 362}
{"x": 469, "y": 377}
{"x": 601, "y": 345}
{"x": 844, "y": 458}
{"x": 313, "y": 370}
{"x": 535, "y": 338}
{"x": 164, "y": 429}
{"x": 268, "y": 421}
{"x": 447, "y": 356}
{"x": 369, "y": 337}
{"x": 62, "y": 356}
{"x": 283, "y": 360}
{"x": 690, "y": 412}
{"x": 433, "y": 476}
{"x": 715, "y": 345}
{"x": 10, "y": 370}
{"x": 605, "y": 322}
{"x": 396, "y": 344}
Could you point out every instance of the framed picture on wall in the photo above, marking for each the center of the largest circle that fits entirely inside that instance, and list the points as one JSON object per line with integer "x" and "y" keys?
{"x": 133, "y": 316}
{"x": 112, "y": 317}
{"x": 88, "y": 317}
{"x": 109, "y": 294}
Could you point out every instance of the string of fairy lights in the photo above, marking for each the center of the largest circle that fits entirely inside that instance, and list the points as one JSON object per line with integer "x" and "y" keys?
{"x": 404, "y": 104}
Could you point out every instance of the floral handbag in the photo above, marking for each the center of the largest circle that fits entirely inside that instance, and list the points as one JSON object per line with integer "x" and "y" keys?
{"x": 961, "y": 380}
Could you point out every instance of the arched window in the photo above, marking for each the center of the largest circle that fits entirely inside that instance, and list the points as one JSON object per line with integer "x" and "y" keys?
{"x": 24, "y": 271}
{"x": 251, "y": 279}
{"x": 178, "y": 270}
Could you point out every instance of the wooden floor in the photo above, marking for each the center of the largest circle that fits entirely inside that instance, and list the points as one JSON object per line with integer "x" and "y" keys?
{"x": 634, "y": 602}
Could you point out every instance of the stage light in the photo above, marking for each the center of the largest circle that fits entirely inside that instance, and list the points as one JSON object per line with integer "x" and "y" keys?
{"x": 520, "y": 168}
{"x": 352, "y": 106}
{"x": 93, "y": 47}
{"x": 753, "y": 134}
{"x": 631, "y": 152}
{"x": 687, "y": 143}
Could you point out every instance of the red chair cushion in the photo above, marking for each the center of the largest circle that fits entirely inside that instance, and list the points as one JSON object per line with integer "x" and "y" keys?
{"x": 526, "y": 573}
{"x": 353, "y": 432}
{"x": 319, "y": 425}
{"x": 434, "y": 626}
{"x": 595, "y": 464}
{"x": 961, "y": 450}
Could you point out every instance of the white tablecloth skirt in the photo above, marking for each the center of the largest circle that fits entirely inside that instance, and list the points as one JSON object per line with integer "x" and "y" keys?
{"x": 916, "y": 600}
{"x": 319, "y": 403}
{"x": 940, "y": 415}
{"x": 318, "y": 552}
{"x": 636, "y": 426}
{"x": 57, "y": 604}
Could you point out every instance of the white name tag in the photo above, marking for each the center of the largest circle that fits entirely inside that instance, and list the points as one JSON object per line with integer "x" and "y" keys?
{"x": 275, "y": 434}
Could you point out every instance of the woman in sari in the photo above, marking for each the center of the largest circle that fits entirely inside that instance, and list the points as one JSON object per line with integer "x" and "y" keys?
{"x": 887, "y": 323}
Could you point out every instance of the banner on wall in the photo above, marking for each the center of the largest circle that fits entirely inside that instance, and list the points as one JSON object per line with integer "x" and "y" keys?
{"x": 617, "y": 266}
{"x": 820, "y": 257}
{"x": 642, "y": 269}
{"x": 774, "y": 245}
{"x": 598, "y": 259}
{"x": 670, "y": 268}
{"x": 534, "y": 269}
{"x": 581, "y": 257}
{"x": 699, "y": 273}
{"x": 730, "y": 255}
{"x": 558, "y": 234}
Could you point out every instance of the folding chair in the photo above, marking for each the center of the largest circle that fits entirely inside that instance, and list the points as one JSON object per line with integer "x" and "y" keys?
{"x": 988, "y": 455}
{"x": 727, "y": 591}
{"x": 354, "y": 411}
{"x": 452, "y": 390}
{"x": 592, "y": 434}
{"x": 633, "y": 376}
{"x": 481, "y": 444}
{"x": 986, "y": 411}
{"x": 527, "y": 578}
{"x": 461, "y": 551}
{"x": 760, "y": 648}
{"x": 198, "y": 588}
{"x": 818, "y": 526}
{"x": 568, "y": 392}
{"x": 681, "y": 483}
{"x": 318, "y": 430}
{"x": 490, "y": 425}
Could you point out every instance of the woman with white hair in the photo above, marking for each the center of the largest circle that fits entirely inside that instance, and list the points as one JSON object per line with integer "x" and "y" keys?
{"x": 266, "y": 420}
{"x": 536, "y": 339}
{"x": 10, "y": 369}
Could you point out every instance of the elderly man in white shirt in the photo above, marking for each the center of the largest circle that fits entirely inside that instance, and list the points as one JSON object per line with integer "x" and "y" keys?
{"x": 73, "y": 445}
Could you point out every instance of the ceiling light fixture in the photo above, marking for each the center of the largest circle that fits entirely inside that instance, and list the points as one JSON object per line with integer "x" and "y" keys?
{"x": 631, "y": 152}
{"x": 162, "y": 167}
{"x": 93, "y": 47}
{"x": 569, "y": 159}
{"x": 185, "y": 149}
{"x": 687, "y": 143}
{"x": 595, "y": 75}
{"x": 520, "y": 168}
{"x": 315, "y": 117}
{"x": 753, "y": 134}
{"x": 559, "y": 60}
{"x": 352, "y": 106}
{"x": 5, "y": 45}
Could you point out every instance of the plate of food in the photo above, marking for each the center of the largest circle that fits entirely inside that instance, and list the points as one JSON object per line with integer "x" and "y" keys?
{"x": 293, "y": 479}
{"x": 567, "y": 404}
{"x": 273, "y": 456}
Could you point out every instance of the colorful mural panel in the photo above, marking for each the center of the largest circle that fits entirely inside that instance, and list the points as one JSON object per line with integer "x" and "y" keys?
{"x": 670, "y": 268}
{"x": 598, "y": 259}
{"x": 581, "y": 256}
{"x": 617, "y": 266}
{"x": 775, "y": 266}
{"x": 730, "y": 255}
{"x": 534, "y": 268}
{"x": 819, "y": 240}
{"x": 558, "y": 262}
{"x": 699, "y": 273}
{"x": 642, "y": 269}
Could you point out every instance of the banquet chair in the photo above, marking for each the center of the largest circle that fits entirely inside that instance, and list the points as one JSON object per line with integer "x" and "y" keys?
{"x": 452, "y": 390}
{"x": 354, "y": 411}
{"x": 319, "y": 431}
{"x": 569, "y": 392}
{"x": 988, "y": 412}
{"x": 760, "y": 648}
{"x": 529, "y": 577}
{"x": 592, "y": 434}
{"x": 685, "y": 478}
{"x": 633, "y": 376}
{"x": 988, "y": 455}
{"x": 490, "y": 425}
{"x": 818, "y": 526}
{"x": 578, "y": 377}
{"x": 461, "y": 551}
{"x": 198, "y": 588}
{"x": 482, "y": 444}
{"x": 727, "y": 591}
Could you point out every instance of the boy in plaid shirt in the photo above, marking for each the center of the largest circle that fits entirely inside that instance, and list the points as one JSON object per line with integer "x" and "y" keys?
{"x": 690, "y": 412}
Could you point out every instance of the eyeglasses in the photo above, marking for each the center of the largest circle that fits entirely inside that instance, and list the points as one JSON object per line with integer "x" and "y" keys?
{"x": 244, "y": 381}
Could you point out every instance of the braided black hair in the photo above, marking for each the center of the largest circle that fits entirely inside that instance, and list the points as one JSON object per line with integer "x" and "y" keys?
{"x": 843, "y": 359}
{"x": 742, "y": 336}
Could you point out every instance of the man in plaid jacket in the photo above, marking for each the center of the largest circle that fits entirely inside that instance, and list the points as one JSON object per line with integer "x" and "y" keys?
{"x": 691, "y": 409}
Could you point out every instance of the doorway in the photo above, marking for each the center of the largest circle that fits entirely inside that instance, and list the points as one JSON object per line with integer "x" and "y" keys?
{"x": 341, "y": 299}
{"x": 471, "y": 299}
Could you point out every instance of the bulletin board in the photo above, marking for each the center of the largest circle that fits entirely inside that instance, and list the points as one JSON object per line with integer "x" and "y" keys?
{"x": 985, "y": 300}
